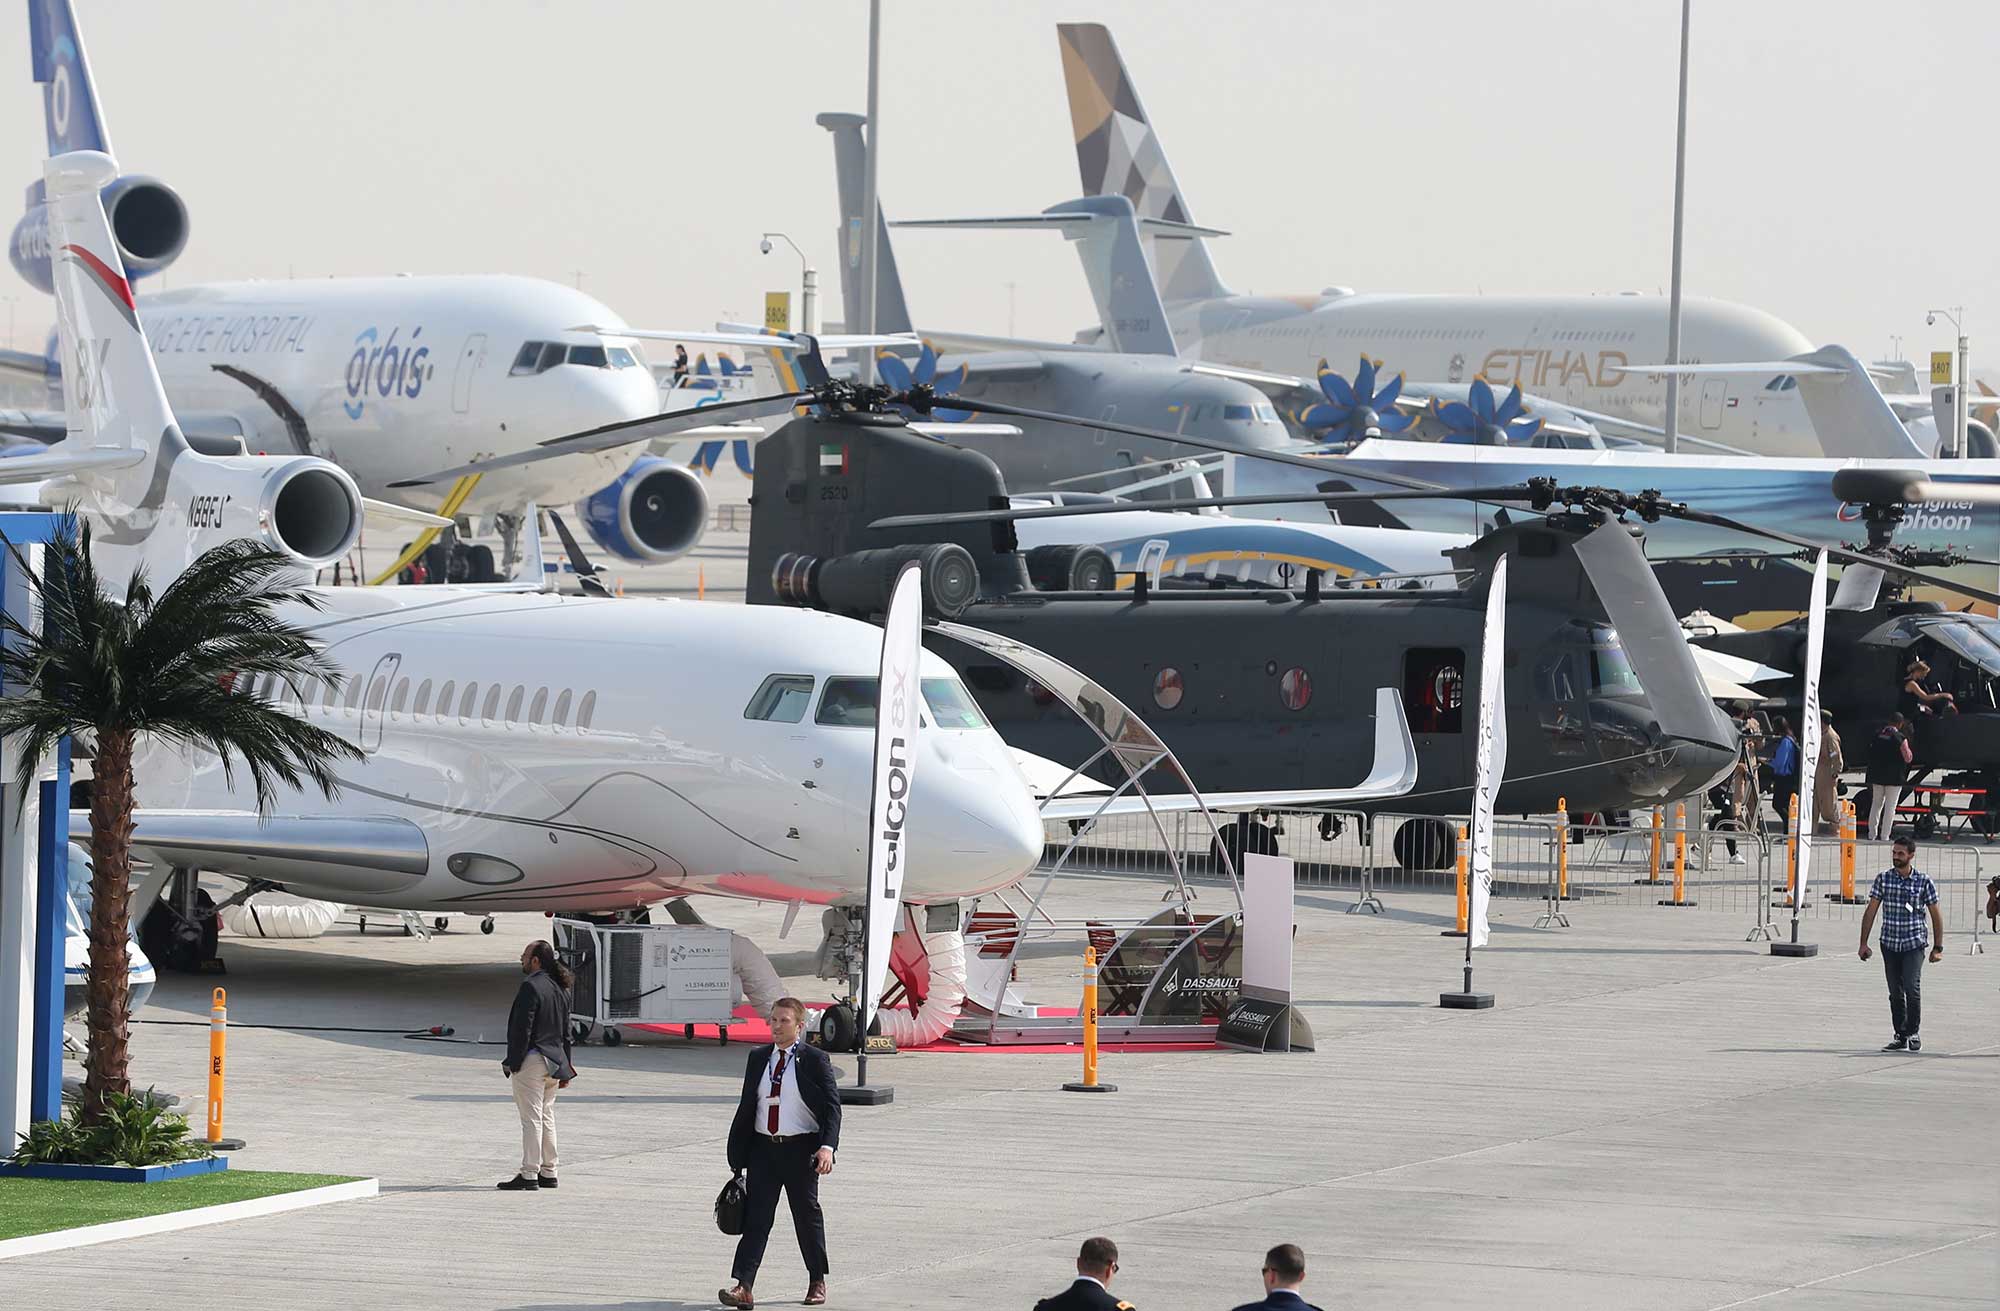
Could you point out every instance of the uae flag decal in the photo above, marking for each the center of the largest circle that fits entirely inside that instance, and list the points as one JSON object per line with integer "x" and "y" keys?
{"x": 833, "y": 458}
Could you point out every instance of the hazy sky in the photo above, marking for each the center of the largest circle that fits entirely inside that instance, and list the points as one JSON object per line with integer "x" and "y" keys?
{"x": 1842, "y": 164}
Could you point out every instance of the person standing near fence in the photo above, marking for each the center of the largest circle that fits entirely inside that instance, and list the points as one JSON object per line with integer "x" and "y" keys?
{"x": 1826, "y": 777}
{"x": 538, "y": 1062}
{"x": 1902, "y": 894}
{"x": 1888, "y": 759}
{"x": 1785, "y": 772}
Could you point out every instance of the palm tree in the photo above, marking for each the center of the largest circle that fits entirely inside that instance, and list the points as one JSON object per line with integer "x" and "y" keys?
{"x": 176, "y": 666}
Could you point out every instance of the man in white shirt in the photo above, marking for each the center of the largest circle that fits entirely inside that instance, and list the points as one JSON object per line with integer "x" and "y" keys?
{"x": 786, "y": 1131}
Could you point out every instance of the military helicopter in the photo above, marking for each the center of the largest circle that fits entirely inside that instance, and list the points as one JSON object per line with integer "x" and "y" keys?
{"x": 1267, "y": 689}
{"x": 1873, "y": 630}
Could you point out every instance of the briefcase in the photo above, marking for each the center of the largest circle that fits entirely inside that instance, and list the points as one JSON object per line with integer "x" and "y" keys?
{"x": 729, "y": 1205}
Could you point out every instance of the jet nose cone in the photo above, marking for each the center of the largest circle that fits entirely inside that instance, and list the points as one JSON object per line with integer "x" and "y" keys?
{"x": 977, "y": 829}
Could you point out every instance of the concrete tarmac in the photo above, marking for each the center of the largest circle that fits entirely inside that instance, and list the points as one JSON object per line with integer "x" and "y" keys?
{"x": 1656, "y": 1115}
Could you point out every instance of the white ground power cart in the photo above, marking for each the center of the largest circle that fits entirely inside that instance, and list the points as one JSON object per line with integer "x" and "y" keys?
{"x": 647, "y": 974}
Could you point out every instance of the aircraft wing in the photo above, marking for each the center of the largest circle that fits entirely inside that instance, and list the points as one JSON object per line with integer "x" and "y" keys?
{"x": 1393, "y": 774}
{"x": 26, "y": 366}
{"x": 45, "y": 426}
{"x": 362, "y": 855}
{"x": 972, "y": 343}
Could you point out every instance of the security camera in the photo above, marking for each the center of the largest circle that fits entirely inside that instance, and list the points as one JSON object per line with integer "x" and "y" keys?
{"x": 1929, "y": 319}
{"x": 764, "y": 246}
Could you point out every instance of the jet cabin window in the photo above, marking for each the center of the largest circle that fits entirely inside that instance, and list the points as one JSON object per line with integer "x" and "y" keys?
{"x": 850, "y": 703}
{"x": 782, "y": 699}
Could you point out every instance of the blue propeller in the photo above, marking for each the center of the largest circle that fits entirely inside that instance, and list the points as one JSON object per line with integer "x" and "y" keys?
{"x": 1352, "y": 411}
{"x": 1480, "y": 422}
{"x": 902, "y": 377}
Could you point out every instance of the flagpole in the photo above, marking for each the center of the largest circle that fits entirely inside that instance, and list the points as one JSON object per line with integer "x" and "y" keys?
{"x": 1490, "y": 769}
{"x": 1798, "y": 827}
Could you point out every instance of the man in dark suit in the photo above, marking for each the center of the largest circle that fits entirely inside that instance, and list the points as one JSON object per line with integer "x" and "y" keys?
{"x": 786, "y": 1131}
{"x": 1284, "y": 1271}
{"x": 1095, "y": 1265}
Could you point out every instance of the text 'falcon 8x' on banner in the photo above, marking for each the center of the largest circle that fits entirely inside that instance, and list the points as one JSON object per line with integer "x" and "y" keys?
{"x": 1809, "y": 729}
{"x": 899, "y": 702}
{"x": 1492, "y": 763}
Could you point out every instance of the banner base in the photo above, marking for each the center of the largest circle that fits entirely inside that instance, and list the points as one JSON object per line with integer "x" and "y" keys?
{"x": 1657, "y": 883}
{"x": 873, "y": 1094}
{"x": 1795, "y": 949}
{"x": 1466, "y": 1001}
{"x": 1255, "y": 1024}
{"x": 1836, "y": 898}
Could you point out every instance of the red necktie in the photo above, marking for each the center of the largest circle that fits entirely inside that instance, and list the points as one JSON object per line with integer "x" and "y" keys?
{"x": 777, "y": 1088}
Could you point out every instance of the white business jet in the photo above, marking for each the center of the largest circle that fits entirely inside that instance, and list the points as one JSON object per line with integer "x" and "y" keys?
{"x": 524, "y": 750}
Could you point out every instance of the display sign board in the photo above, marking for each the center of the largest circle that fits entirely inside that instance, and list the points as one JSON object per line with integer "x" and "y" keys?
{"x": 778, "y": 311}
{"x": 1940, "y": 366}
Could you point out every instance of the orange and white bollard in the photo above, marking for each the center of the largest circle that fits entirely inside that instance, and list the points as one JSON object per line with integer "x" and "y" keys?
{"x": 1464, "y": 893}
{"x": 1680, "y": 857}
{"x": 1562, "y": 848}
{"x": 1653, "y": 848}
{"x": 218, "y": 1039}
{"x": 1090, "y": 1083}
{"x": 1848, "y": 824}
{"x": 1791, "y": 853}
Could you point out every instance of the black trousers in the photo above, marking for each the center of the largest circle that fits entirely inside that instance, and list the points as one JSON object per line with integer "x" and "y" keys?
{"x": 1783, "y": 788}
{"x": 1906, "y": 988}
{"x": 786, "y": 1166}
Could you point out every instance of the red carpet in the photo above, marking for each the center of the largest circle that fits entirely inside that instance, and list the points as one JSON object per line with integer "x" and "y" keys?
{"x": 750, "y": 1027}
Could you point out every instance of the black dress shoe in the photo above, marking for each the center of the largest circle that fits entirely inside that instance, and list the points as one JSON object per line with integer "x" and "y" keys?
{"x": 518, "y": 1184}
{"x": 545, "y": 1181}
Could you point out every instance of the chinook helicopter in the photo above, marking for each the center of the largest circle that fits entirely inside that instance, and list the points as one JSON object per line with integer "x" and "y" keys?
{"x": 1269, "y": 689}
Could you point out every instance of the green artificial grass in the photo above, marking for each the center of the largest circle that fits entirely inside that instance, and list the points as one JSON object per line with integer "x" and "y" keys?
{"x": 40, "y": 1206}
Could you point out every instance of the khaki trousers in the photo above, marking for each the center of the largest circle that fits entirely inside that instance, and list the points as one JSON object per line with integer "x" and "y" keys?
{"x": 535, "y": 1099}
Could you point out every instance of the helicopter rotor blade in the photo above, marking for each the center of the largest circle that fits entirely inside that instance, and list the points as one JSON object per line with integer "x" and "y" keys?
{"x": 1519, "y": 492}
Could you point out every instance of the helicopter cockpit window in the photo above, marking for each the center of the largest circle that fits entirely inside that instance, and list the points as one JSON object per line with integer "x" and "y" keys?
{"x": 1968, "y": 643}
{"x": 1434, "y": 689}
{"x": 1610, "y": 668}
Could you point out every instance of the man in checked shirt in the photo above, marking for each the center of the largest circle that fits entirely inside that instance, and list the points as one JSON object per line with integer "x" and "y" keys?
{"x": 1901, "y": 894}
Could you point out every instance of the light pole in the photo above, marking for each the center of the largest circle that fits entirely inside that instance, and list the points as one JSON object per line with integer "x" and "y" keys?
{"x": 1958, "y": 402}
{"x": 1673, "y": 418}
{"x": 871, "y": 214}
{"x": 809, "y": 281}
{"x": 1895, "y": 347}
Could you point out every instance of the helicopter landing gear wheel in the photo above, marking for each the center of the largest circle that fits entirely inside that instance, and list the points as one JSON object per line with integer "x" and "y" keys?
{"x": 1425, "y": 844}
{"x": 612, "y": 1037}
{"x": 486, "y": 925}
{"x": 440, "y": 924}
{"x": 1243, "y": 837}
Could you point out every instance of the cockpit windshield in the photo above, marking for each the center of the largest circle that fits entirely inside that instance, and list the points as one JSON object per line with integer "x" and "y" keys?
{"x": 850, "y": 703}
{"x": 541, "y": 356}
{"x": 1972, "y": 644}
{"x": 1610, "y": 668}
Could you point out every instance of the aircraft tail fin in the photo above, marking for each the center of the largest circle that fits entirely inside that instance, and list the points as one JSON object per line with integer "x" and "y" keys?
{"x": 1119, "y": 154}
{"x": 850, "y": 153}
{"x": 158, "y": 504}
{"x": 69, "y": 98}
{"x": 1848, "y": 411}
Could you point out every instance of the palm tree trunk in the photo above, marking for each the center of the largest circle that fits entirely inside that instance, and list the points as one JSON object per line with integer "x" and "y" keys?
{"x": 109, "y": 1008}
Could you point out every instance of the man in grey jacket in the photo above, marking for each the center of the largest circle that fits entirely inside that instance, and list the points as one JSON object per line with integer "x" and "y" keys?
{"x": 538, "y": 1062}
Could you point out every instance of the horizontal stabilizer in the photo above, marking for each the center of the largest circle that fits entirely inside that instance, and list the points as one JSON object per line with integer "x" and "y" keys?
{"x": 59, "y": 462}
{"x": 1847, "y": 409}
{"x": 1069, "y": 224}
{"x": 778, "y": 341}
{"x": 26, "y": 366}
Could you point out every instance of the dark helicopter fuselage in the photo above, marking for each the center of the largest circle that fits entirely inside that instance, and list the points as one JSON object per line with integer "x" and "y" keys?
{"x": 1252, "y": 690}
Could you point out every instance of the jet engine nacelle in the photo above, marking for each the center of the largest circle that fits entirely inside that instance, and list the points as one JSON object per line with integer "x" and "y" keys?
{"x": 654, "y": 512}
{"x": 1980, "y": 443}
{"x": 305, "y": 507}
{"x": 149, "y": 221}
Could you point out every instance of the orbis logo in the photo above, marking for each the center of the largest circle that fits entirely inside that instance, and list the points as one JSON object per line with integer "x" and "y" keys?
{"x": 386, "y": 367}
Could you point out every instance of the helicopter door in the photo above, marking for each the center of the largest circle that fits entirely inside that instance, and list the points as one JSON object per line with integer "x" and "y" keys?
{"x": 1714, "y": 394}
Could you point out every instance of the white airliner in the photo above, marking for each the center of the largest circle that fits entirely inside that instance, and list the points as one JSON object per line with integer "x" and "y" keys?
{"x": 523, "y": 750}
{"x": 1567, "y": 349}
{"x": 388, "y": 377}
